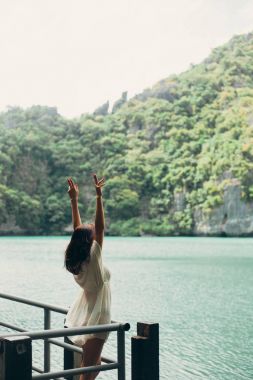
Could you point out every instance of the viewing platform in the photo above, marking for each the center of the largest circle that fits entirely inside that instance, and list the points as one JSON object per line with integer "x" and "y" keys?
{"x": 16, "y": 348}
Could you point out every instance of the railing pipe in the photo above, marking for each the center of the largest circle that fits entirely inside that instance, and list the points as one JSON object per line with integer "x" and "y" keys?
{"x": 67, "y": 346}
{"x": 47, "y": 325}
{"x": 26, "y": 301}
{"x": 36, "y": 369}
{"x": 56, "y": 333}
{"x": 9, "y": 326}
{"x": 76, "y": 371}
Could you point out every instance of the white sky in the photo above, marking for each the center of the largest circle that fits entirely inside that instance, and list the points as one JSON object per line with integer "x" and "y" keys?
{"x": 76, "y": 54}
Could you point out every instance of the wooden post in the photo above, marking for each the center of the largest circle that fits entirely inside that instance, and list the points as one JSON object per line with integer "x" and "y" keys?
{"x": 145, "y": 352}
{"x": 16, "y": 358}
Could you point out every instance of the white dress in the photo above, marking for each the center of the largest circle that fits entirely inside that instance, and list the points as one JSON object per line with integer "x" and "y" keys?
{"x": 93, "y": 304}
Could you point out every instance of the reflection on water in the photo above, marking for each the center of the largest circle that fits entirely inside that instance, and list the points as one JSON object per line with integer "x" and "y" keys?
{"x": 200, "y": 290}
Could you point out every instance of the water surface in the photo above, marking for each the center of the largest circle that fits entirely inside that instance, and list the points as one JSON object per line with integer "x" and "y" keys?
{"x": 200, "y": 291}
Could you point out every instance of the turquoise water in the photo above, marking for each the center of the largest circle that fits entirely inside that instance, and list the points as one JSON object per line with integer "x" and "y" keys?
{"x": 200, "y": 291}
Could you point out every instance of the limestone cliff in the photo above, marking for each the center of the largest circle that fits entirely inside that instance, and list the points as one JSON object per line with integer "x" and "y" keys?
{"x": 233, "y": 218}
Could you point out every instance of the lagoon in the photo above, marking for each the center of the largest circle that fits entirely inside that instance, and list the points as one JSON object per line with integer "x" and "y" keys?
{"x": 200, "y": 291}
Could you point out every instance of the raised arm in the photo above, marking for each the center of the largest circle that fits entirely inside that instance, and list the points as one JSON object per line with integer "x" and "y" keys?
{"x": 99, "y": 218}
{"x": 73, "y": 192}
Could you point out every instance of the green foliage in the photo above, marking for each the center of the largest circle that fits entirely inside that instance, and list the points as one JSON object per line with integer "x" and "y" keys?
{"x": 130, "y": 227}
{"x": 183, "y": 139}
{"x": 160, "y": 227}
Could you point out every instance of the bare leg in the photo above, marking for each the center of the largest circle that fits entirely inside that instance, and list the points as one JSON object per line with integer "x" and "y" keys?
{"x": 91, "y": 356}
{"x": 96, "y": 373}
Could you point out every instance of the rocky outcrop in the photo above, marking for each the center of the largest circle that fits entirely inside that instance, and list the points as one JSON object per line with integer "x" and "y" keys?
{"x": 179, "y": 201}
{"x": 233, "y": 218}
{"x": 119, "y": 103}
{"x": 102, "y": 110}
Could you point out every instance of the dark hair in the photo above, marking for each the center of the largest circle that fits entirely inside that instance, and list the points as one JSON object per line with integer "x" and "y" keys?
{"x": 79, "y": 247}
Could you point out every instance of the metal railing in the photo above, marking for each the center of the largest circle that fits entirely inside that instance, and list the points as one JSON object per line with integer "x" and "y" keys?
{"x": 48, "y": 334}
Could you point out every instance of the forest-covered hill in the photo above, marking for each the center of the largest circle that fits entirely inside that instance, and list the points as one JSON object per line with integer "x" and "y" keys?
{"x": 173, "y": 156}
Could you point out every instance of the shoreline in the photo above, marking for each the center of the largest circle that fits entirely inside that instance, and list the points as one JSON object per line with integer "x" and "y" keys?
{"x": 67, "y": 234}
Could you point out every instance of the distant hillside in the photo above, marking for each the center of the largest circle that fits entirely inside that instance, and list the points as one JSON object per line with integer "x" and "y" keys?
{"x": 178, "y": 157}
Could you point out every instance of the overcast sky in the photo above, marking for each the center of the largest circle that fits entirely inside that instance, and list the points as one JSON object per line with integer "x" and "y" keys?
{"x": 76, "y": 54}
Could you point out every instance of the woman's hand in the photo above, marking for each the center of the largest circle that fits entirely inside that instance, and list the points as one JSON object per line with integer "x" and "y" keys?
{"x": 73, "y": 194}
{"x": 73, "y": 190}
{"x": 98, "y": 184}
{"x": 99, "y": 218}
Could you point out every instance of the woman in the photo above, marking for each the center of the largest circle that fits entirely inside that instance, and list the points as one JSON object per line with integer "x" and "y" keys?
{"x": 84, "y": 260}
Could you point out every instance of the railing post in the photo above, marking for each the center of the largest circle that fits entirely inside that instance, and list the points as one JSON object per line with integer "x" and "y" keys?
{"x": 47, "y": 326}
{"x": 121, "y": 353}
{"x": 145, "y": 352}
{"x": 16, "y": 358}
{"x": 68, "y": 357}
